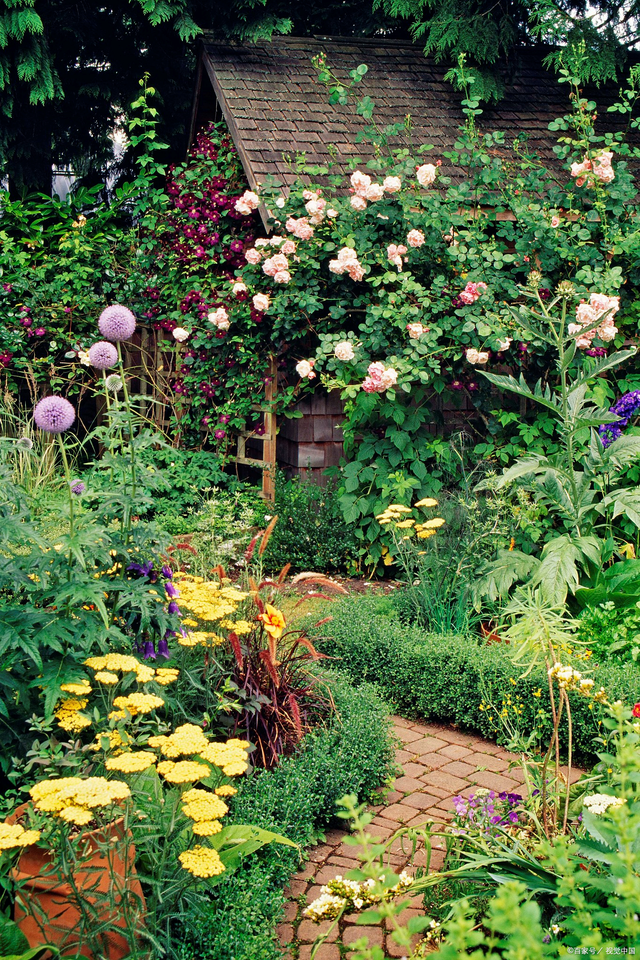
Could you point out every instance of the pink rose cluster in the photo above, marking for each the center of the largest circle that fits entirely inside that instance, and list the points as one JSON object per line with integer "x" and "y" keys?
{"x": 380, "y": 378}
{"x": 315, "y": 206}
{"x": 300, "y": 228}
{"x": 304, "y": 368}
{"x": 471, "y": 292}
{"x": 396, "y": 255}
{"x": 415, "y": 330}
{"x": 415, "y": 238}
{"x": 347, "y": 262}
{"x": 219, "y": 318}
{"x": 247, "y": 203}
{"x": 587, "y": 316}
{"x": 277, "y": 267}
{"x": 476, "y": 356}
{"x": 365, "y": 190}
{"x": 591, "y": 170}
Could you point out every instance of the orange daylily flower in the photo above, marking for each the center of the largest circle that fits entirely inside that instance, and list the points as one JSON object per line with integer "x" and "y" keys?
{"x": 272, "y": 620}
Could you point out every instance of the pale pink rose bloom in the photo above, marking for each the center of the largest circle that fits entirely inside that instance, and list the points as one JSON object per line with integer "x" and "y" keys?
{"x": 304, "y": 368}
{"x": 336, "y": 266}
{"x": 358, "y": 203}
{"x": 280, "y": 261}
{"x": 395, "y": 254}
{"x": 315, "y": 207}
{"x": 375, "y": 192}
{"x": 369, "y": 386}
{"x": 248, "y": 201}
{"x": 467, "y": 297}
{"x": 252, "y": 256}
{"x": 607, "y": 330}
{"x": 346, "y": 254}
{"x": 476, "y": 356}
{"x": 355, "y": 270}
{"x": 426, "y": 174}
{"x": 360, "y": 182}
{"x": 223, "y": 324}
{"x": 269, "y": 267}
{"x": 332, "y": 213}
{"x": 602, "y": 168}
{"x": 415, "y": 238}
{"x": 376, "y": 371}
{"x": 275, "y": 241}
{"x": 585, "y": 314}
{"x": 309, "y": 195}
{"x": 600, "y": 302}
{"x": 391, "y": 184}
{"x": 282, "y": 276}
{"x": 344, "y": 351}
{"x": 218, "y": 316}
{"x": 261, "y": 302}
{"x": 555, "y": 221}
{"x": 180, "y": 334}
{"x": 300, "y": 228}
{"x": 280, "y": 202}
{"x": 262, "y": 242}
{"x": 415, "y": 330}
{"x": 288, "y": 247}
{"x": 239, "y": 287}
{"x": 389, "y": 378}
{"x": 505, "y": 344}
{"x": 574, "y": 328}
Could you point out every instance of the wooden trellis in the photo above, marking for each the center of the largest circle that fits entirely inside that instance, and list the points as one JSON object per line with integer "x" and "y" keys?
{"x": 268, "y": 462}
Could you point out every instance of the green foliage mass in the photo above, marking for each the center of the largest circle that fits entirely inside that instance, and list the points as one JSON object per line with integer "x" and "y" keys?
{"x": 446, "y": 678}
{"x": 352, "y": 753}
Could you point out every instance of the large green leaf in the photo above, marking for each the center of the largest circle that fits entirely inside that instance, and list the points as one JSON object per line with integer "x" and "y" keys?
{"x": 496, "y": 577}
{"x": 624, "y": 450}
{"x": 558, "y": 571}
{"x": 623, "y": 502}
{"x": 540, "y": 394}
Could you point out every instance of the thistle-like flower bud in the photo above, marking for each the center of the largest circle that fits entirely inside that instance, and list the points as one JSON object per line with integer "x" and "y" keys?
{"x": 534, "y": 280}
{"x": 566, "y": 290}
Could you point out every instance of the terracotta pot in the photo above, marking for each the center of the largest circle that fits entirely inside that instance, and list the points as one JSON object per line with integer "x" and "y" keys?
{"x": 46, "y": 907}
{"x": 488, "y": 632}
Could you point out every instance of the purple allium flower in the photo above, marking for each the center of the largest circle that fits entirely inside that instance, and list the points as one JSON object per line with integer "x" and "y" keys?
{"x": 103, "y": 355}
{"x": 149, "y": 651}
{"x": 220, "y": 434}
{"x": 78, "y": 487}
{"x": 117, "y": 323}
{"x": 54, "y": 414}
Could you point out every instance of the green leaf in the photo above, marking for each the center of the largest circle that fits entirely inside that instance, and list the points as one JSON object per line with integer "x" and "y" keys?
{"x": 496, "y": 577}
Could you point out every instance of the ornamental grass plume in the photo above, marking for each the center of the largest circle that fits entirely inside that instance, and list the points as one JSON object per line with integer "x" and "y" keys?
{"x": 117, "y": 323}
{"x": 54, "y": 414}
{"x": 103, "y": 355}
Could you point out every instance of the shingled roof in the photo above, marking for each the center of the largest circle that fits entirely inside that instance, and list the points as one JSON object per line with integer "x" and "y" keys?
{"x": 273, "y": 104}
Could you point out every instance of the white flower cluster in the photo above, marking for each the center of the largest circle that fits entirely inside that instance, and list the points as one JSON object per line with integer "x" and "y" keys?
{"x": 599, "y": 803}
{"x": 570, "y": 679}
{"x": 340, "y": 896}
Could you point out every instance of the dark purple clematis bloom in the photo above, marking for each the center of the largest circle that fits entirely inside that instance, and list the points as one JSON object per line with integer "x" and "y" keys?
{"x": 149, "y": 651}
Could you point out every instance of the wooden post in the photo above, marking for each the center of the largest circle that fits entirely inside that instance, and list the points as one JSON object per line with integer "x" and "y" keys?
{"x": 268, "y": 462}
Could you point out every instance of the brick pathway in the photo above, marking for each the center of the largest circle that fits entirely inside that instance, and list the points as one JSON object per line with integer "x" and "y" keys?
{"x": 437, "y": 763}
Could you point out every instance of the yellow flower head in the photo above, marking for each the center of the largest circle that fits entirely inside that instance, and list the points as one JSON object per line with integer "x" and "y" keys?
{"x": 184, "y": 771}
{"x": 12, "y": 836}
{"x": 405, "y": 524}
{"x": 138, "y": 703}
{"x": 166, "y": 675}
{"x": 144, "y": 674}
{"x": 272, "y": 620}
{"x": 81, "y": 689}
{"x": 434, "y": 524}
{"x": 106, "y": 677}
{"x": 226, "y": 790}
{"x": 209, "y": 808}
{"x": 185, "y": 741}
{"x": 207, "y": 828}
{"x": 427, "y": 502}
{"x": 132, "y": 762}
{"x": 202, "y": 862}
{"x": 54, "y": 796}
{"x": 398, "y": 508}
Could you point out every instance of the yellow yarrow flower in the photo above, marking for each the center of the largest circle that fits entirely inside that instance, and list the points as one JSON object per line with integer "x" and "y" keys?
{"x": 185, "y": 741}
{"x": 427, "y": 502}
{"x": 433, "y": 524}
{"x": 81, "y": 689}
{"x": 399, "y": 508}
{"x": 226, "y": 790}
{"x": 209, "y": 808}
{"x": 132, "y": 762}
{"x": 202, "y": 862}
{"x": 138, "y": 703}
{"x": 207, "y": 828}
{"x": 184, "y": 771}
{"x": 13, "y": 836}
{"x": 166, "y": 675}
{"x": 104, "y": 676}
{"x": 405, "y": 524}
{"x": 54, "y": 796}
{"x": 144, "y": 674}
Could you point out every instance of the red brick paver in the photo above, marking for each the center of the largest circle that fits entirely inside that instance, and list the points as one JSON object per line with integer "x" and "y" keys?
{"x": 437, "y": 764}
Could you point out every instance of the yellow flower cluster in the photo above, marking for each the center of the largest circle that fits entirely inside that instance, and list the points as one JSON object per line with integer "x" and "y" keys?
{"x": 134, "y": 704}
{"x": 166, "y": 675}
{"x": 114, "y": 738}
{"x": 205, "y": 809}
{"x": 185, "y": 741}
{"x": 208, "y": 600}
{"x": 12, "y": 836}
{"x": 69, "y": 716}
{"x": 569, "y": 679}
{"x": 202, "y": 862}
{"x": 200, "y": 638}
{"x": 184, "y": 771}
{"x": 230, "y": 756}
{"x": 132, "y": 762}
{"x": 226, "y": 790}
{"x": 240, "y": 627}
{"x": 116, "y": 662}
{"x": 106, "y": 677}
{"x": 73, "y": 799}
{"x": 81, "y": 689}
{"x": 396, "y": 513}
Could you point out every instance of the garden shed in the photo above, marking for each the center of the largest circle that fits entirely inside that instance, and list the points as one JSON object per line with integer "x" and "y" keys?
{"x": 276, "y": 109}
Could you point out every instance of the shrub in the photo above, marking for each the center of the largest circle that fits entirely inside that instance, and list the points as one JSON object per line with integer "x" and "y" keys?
{"x": 350, "y": 754}
{"x": 311, "y": 533}
{"x": 446, "y": 678}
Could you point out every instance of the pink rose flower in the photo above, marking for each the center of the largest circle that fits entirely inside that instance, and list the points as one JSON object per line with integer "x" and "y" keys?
{"x": 219, "y": 318}
{"x": 415, "y": 238}
{"x": 360, "y": 183}
{"x": 426, "y": 174}
{"x": 555, "y": 222}
{"x": 344, "y": 351}
{"x": 391, "y": 184}
{"x": 415, "y": 330}
{"x": 282, "y": 276}
{"x": 239, "y": 287}
{"x": 300, "y": 228}
{"x": 358, "y": 203}
{"x": 375, "y": 192}
{"x": 395, "y": 254}
{"x": 252, "y": 256}
{"x": 180, "y": 334}
{"x": 355, "y": 270}
{"x": 247, "y": 203}
{"x": 304, "y": 368}
{"x": 261, "y": 302}
{"x": 288, "y": 247}
{"x": 476, "y": 356}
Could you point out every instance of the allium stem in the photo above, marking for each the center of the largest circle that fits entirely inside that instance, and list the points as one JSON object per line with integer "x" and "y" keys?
{"x": 127, "y": 403}
{"x": 67, "y": 473}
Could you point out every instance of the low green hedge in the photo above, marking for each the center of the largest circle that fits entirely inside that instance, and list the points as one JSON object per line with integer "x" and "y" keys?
{"x": 445, "y": 679}
{"x": 353, "y": 753}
